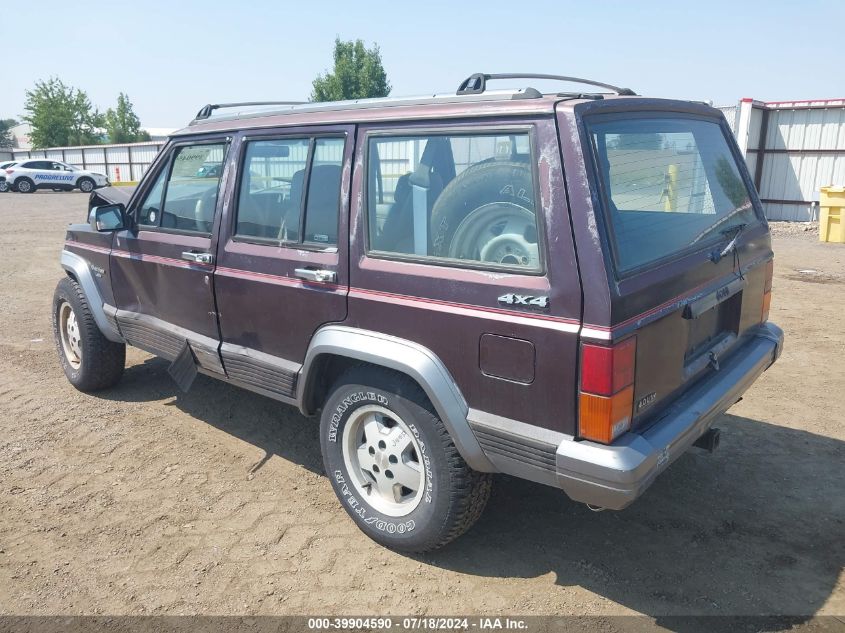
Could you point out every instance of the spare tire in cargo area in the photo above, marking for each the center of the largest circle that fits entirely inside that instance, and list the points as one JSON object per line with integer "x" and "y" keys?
{"x": 487, "y": 214}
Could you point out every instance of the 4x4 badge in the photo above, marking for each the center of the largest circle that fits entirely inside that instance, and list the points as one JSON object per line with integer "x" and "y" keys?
{"x": 528, "y": 301}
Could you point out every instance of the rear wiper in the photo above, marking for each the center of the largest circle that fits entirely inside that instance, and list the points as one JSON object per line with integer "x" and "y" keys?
{"x": 715, "y": 256}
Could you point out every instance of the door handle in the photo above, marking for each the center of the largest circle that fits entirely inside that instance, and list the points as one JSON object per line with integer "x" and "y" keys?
{"x": 313, "y": 274}
{"x": 199, "y": 258}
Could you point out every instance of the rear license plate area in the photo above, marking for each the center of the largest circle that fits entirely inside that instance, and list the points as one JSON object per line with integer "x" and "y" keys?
{"x": 712, "y": 326}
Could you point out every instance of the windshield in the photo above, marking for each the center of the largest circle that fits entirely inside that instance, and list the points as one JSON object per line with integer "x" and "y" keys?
{"x": 669, "y": 184}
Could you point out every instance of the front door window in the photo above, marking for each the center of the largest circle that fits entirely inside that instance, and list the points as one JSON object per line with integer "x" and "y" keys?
{"x": 184, "y": 196}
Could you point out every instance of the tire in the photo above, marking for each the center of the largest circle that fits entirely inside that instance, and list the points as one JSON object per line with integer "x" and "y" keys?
{"x": 90, "y": 361}
{"x": 86, "y": 185}
{"x": 486, "y": 183}
{"x": 449, "y": 495}
{"x": 24, "y": 185}
{"x": 4, "y": 186}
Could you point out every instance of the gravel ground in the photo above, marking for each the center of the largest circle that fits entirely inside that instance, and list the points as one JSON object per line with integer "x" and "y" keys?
{"x": 144, "y": 500}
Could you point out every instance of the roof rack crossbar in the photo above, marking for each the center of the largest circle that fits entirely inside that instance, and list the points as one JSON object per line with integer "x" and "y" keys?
{"x": 208, "y": 109}
{"x": 477, "y": 82}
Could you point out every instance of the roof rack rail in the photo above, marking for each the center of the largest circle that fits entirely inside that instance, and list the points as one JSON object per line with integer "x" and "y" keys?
{"x": 477, "y": 83}
{"x": 208, "y": 109}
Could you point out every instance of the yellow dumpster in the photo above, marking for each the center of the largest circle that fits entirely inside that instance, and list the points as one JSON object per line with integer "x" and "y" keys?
{"x": 832, "y": 206}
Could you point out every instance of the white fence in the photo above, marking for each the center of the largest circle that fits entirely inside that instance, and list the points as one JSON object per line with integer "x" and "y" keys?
{"x": 121, "y": 163}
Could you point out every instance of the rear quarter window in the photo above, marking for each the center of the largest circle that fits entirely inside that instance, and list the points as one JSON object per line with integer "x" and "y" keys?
{"x": 454, "y": 199}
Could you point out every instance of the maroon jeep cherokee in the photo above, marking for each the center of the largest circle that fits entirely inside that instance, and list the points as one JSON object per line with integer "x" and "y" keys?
{"x": 569, "y": 288}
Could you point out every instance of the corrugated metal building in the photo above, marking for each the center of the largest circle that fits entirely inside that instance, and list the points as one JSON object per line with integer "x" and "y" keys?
{"x": 792, "y": 148}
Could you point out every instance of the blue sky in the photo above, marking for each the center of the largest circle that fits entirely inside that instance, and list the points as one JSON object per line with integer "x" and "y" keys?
{"x": 172, "y": 57}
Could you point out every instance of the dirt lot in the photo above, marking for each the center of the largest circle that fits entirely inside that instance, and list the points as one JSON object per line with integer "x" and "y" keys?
{"x": 144, "y": 500}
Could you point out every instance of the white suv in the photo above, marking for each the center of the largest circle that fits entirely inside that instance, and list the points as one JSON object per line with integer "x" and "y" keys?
{"x": 4, "y": 186}
{"x": 29, "y": 175}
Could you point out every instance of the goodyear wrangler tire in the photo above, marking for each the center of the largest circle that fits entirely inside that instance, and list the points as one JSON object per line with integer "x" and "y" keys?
{"x": 90, "y": 361}
{"x": 393, "y": 464}
{"x": 493, "y": 185}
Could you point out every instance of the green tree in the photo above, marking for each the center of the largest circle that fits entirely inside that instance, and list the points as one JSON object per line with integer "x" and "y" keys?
{"x": 61, "y": 115}
{"x": 6, "y": 126}
{"x": 358, "y": 74}
{"x": 122, "y": 124}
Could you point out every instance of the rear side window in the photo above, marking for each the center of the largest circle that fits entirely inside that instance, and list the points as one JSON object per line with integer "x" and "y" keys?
{"x": 290, "y": 191}
{"x": 184, "y": 195}
{"x": 669, "y": 184}
{"x": 454, "y": 199}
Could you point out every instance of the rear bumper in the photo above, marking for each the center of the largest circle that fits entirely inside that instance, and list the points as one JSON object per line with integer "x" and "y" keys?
{"x": 614, "y": 476}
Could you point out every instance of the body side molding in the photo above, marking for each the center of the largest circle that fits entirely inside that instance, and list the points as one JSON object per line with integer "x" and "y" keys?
{"x": 407, "y": 357}
{"x": 81, "y": 270}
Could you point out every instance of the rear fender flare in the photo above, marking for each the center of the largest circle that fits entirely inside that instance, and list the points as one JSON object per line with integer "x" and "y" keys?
{"x": 415, "y": 361}
{"x": 80, "y": 269}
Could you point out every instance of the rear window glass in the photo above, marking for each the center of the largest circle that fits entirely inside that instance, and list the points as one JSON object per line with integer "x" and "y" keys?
{"x": 670, "y": 184}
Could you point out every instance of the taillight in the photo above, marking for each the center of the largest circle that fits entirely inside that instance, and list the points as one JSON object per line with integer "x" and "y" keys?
{"x": 606, "y": 399}
{"x": 10, "y": 171}
{"x": 767, "y": 291}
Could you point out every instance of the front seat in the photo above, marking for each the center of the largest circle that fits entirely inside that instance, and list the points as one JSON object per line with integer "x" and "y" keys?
{"x": 204, "y": 209}
{"x": 289, "y": 230}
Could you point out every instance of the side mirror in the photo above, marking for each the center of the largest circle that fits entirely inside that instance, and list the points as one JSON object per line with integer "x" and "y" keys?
{"x": 111, "y": 217}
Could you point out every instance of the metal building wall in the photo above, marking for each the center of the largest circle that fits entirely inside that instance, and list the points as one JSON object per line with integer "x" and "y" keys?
{"x": 804, "y": 150}
{"x": 792, "y": 148}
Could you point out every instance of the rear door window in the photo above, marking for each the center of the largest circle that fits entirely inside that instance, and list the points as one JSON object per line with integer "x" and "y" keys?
{"x": 669, "y": 184}
{"x": 290, "y": 191}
